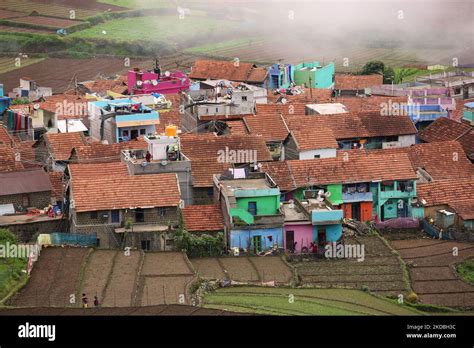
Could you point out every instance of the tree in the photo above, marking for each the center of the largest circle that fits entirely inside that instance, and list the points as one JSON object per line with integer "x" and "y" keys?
{"x": 388, "y": 75}
{"x": 373, "y": 67}
{"x": 6, "y": 236}
{"x": 400, "y": 74}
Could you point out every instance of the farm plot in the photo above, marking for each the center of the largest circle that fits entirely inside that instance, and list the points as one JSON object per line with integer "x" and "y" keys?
{"x": 47, "y": 22}
{"x": 380, "y": 270}
{"x": 97, "y": 272}
{"x": 7, "y": 29}
{"x": 165, "y": 263}
{"x": 431, "y": 267}
{"x": 98, "y": 6}
{"x": 275, "y": 301}
{"x": 58, "y": 73}
{"x": 8, "y": 64}
{"x": 47, "y": 9}
{"x": 54, "y": 279}
{"x": 244, "y": 269}
{"x": 5, "y": 14}
{"x": 121, "y": 287}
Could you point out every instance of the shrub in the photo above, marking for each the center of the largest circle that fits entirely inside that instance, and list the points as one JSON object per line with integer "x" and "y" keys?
{"x": 412, "y": 297}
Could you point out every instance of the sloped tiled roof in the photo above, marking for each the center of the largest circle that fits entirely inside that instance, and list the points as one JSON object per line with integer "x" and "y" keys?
{"x": 97, "y": 152}
{"x": 201, "y": 218}
{"x": 357, "y": 82}
{"x": 237, "y": 127}
{"x": 444, "y": 160}
{"x": 25, "y": 181}
{"x": 357, "y": 124}
{"x": 218, "y": 69}
{"x": 61, "y": 144}
{"x": 5, "y": 137}
{"x": 349, "y": 166}
{"x": 445, "y": 129}
{"x": 108, "y": 186}
{"x": 310, "y": 95}
{"x": 56, "y": 179}
{"x": 280, "y": 172}
{"x": 313, "y": 137}
{"x": 203, "y": 170}
{"x": 271, "y": 126}
{"x": 465, "y": 209}
{"x": 8, "y": 160}
{"x": 440, "y": 192}
{"x": 27, "y": 153}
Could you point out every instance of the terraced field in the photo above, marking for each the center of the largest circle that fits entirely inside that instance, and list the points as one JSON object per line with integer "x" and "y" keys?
{"x": 8, "y": 63}
{"x": 244, "y": 269}
{"x": 46, "y": 8}
{"x": 380, "y": 271}
{"x": 287, "y": 301}
{"x": 431, "y": 266}
{"x": 47, "y": 22}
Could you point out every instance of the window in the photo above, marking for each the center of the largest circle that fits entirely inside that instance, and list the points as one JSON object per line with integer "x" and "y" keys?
{"x": 317, "y": 156}
{"x": 125, "y": 133}
{"x": 161, "y": 211}
{"x": 93, "y": 215}
{"x": 139, "y": 215}
{"x": 142, "y": 131}
{"x": 457, "y": 91}
{"x": 217, "y": 109}
{"x": 391, "y": 138}
{"x": 145, "y": 244}
{"x": 115, "y": 216}
{"x": 98, "y": 242}
{"x": 252, "y": 208}
{"x": 244, "y": 98}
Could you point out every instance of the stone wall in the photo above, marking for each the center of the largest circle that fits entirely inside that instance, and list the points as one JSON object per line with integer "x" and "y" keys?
{"x": 36, "y": 199}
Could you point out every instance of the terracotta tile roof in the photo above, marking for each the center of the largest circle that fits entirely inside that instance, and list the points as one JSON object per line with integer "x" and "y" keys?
{"x": 56, "y": 179}
{"x": 8, "y": 160}
{"x": 27, "y": 153}
{"x": 24, "y": 181}
{"x": 372, "y": 103}
{"x": 287, "y": 110}
{"x": 280, "y": 172}
{"x": 441, "y": 160}
{"x": 445, "y": 129}
{"x": 237, "y": 127}
{"x": 202, "y": 150}
{"x": 313, "y": 136}
{"x": 360, "y": 166}
{"x": 5, "y": 137}
{"x": 357, "y": 82}
{"x": 269, "y": 125}
{"x": 202, "y": 218}
{"x": 357, "y": 124}
{"x": 97, "y": 152}
{"x": 207, "y": 146}
{"x": 441, "y": 192}
{"x": 66, "y": 106}
{"x": 465, "y": 209}
{"x": 108, "y": 186}
{"x": 102, "y": 86}
{"x": 218, "y": 69}
{"x": 310, "y": 95}
{"x": 61, "y": 144}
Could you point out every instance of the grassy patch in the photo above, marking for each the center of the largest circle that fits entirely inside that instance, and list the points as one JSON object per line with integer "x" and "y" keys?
{"x": 157, "y": 28}
{"x": 466, "y": 271}
{"x": 225, "y": 45}
{"x": 8, "y": 64}
{"x": 306, "y": 301}
{"x": 11, "y": 274}
{"x": 139, "y": 4}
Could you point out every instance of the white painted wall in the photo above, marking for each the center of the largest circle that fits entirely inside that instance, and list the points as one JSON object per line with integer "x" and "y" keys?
{"x": 407, "y": 140}
{"x": 323, "y": 153}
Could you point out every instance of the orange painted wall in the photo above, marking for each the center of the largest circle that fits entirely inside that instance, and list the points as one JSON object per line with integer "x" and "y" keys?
{"x": 365, "y": 211}
{"x": 347, "y": 210}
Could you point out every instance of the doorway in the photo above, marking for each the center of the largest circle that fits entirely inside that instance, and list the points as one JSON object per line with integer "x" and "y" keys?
{"x": 355, "y": 207}
{"x": 134, "y": 134}
{"x": 252, "y": 208}
{"x": 290, "y": 241}
{"x": 257, "y": 244}
{"x": 321, "y": 238}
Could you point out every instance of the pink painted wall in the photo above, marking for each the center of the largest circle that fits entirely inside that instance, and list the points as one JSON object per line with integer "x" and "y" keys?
{"x": 176, "y": 82}
{"x": 303, "y": 235}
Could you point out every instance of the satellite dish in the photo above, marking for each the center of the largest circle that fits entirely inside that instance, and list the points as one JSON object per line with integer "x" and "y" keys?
{"x": 167, "y": 74}
{"x": 164, "y": 162}
{"x": 139, "y": 83}
{"x": 36, "y": 106}
{"x": 154, "y": 82}
{"x": 327, "y": 194}
{"x": 283, "y": 100}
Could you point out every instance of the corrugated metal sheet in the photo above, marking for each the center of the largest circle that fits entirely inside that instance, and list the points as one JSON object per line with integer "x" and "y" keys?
{"x": 13, "y": 183}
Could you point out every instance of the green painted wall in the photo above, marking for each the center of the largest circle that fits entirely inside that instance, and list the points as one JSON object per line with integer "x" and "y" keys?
{"x": 267, "y": 205}
{"x": 320, "y": 78}
{"x": 336, "y": 193}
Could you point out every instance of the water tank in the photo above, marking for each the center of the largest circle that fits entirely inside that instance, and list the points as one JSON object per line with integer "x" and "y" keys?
{"x": 171, "y": 131}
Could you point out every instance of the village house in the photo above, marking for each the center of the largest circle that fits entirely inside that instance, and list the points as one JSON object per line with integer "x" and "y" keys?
{"x": 280, "y": 76}
{"x": 54, "y": 149}
{"x": 121, "y": 119}
{"x": 367, "y": 129}
{"x": 366, "y": 185}
{"x": 236, "y": 70}
{"x": 30, "y": 90}
{"x": 4, "y": 101}
{"x": 250, "y": 204}
{"x": 123, "y": 210}
{"x": 314, "y": 75}
{"x": 309, "y": 222}
{"x": 211, "y": 154}
{"x": 157, "y": 81}
{"x": 203, "y": 219}
{"x": 460, "y": 83}
{"x": 468, "y": 113}
{"x": 355, "y": 85}
{"x": 448, "y": 203}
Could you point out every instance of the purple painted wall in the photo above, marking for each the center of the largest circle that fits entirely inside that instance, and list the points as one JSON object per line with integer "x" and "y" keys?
{"x": 303, "y": 235}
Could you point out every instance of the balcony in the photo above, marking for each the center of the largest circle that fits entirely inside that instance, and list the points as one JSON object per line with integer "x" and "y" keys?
{"x": 357, "y": 197}
{"x": 326, "y": 217}
{"x": 397, "y": 194}
{"x": 241, "y": 217}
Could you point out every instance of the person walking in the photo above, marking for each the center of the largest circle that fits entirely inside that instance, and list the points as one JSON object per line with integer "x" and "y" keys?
{"x": 85, "y": 301}
{"x": 96, "y": 301}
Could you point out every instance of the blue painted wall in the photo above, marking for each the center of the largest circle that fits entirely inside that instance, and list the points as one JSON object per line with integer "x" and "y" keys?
{"x": 241, "y": 238}
{"x": 333, "y": 232}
